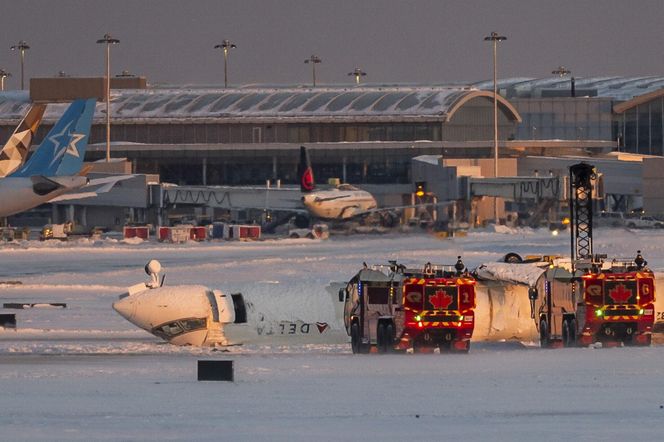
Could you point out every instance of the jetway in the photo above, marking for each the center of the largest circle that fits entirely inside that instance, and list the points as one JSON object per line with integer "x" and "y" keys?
{"x": 230, "y": 197}
{"x": 519, "y": 188}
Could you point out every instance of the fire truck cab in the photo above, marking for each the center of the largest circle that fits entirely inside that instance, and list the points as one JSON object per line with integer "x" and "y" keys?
{"x": 600, "y": 301}
{"x": 391, "y": 307}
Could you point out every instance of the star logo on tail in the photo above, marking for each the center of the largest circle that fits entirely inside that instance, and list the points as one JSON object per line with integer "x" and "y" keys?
{"x": 65, "y": 143}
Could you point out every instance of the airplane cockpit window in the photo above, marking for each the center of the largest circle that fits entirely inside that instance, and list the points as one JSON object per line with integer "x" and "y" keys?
{"x": 175, "y": 328}
{"x": 193, "y": 324}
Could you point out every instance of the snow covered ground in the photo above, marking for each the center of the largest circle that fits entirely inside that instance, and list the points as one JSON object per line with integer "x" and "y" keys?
{"x": 84, "y": 373}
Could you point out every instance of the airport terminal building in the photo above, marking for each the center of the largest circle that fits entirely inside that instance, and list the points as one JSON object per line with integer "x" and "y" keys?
{"x": 361, "y": 134}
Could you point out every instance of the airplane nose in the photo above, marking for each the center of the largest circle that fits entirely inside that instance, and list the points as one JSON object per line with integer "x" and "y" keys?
{"x": 125, "y": 307}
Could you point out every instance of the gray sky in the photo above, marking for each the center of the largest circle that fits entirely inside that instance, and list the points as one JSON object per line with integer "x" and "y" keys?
{"x": 427, "y": 41}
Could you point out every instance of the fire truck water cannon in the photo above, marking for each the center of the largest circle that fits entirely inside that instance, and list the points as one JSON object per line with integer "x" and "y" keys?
{"x": 394, "y": 307}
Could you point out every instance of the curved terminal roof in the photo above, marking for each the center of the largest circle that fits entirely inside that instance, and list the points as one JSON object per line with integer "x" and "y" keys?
{"x": 616, "y": 88}
{"x": 424, "y": 103}
{"x": 342, "y": 103}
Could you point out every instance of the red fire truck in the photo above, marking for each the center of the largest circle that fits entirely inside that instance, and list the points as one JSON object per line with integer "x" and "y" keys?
{"x": 392, "y": 308}
{"x": 606, "y": 301}
{"x": 590, "y": 298}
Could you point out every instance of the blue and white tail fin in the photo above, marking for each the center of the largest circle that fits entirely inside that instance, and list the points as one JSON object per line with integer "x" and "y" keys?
{"x": 63, "y": 149}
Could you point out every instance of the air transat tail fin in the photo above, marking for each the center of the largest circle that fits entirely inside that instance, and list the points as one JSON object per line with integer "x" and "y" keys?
{"x": 15, "y": 151}
{"x": 305, "y": 172}
{"x": 63, "y": 149}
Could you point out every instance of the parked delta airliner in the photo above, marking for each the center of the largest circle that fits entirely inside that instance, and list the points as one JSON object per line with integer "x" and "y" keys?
{"x": 339, "y": 203}
{"x": 53, "y": 168}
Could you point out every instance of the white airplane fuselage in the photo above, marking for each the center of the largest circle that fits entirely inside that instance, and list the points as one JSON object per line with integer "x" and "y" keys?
{"x": 200, "y": 316}
{"x": 18, "y": 194}
{"x": 338, "y": 203}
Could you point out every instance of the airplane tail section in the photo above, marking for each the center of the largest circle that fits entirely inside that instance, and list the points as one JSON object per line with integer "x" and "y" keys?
{"x": 15, "y": 151}
{"x": 305, "y": 172}
{"x": 63, "y": 149}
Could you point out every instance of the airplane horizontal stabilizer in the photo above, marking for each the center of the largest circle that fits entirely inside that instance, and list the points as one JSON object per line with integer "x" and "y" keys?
{"x": 106, "y": 184}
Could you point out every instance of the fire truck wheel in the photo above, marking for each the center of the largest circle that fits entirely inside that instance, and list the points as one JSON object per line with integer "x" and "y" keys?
{"x": 355, "y": 343}
{"x": 565, "y": 332}
{"x": 544, "y": 333}
{"x": 572, "y": 332}
{"x": 380, "y": 337}
{"x": 389, "y": 337}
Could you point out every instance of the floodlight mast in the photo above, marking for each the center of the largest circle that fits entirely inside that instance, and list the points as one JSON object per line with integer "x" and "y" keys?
{"x": 495, "y": 38}
{"x": 562, "y": 71}
{"x": 314, "y": 60}
{"x": 3, "y": 74}
{"x": 357, "y": 73}
{"x": 226, "y": 45}
{"x": 108, "y": 41}
{"x": 21, "y": 47}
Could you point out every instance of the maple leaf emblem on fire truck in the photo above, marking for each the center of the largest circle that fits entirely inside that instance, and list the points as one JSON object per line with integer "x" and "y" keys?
{"x": 440, "y": 300}
{"x": 620, "y": 294}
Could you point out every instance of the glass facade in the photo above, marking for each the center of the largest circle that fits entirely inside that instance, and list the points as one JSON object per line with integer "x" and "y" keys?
{"x": 640, "y": 129}
{"x": 564, "y": 118}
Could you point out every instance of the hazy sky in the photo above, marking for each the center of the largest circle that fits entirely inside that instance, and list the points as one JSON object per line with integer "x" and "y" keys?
{"x": 427, "y": 41}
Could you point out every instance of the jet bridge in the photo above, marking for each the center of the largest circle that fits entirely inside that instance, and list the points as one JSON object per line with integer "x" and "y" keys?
{"x": 541, "y": 193}
{"x": 231, "y": 197}
{"x": 519, "y": 188}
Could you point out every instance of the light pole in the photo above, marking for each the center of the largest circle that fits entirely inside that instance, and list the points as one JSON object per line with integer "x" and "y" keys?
{"x": 495, "y": 38}
{"x": 21, "y": 47}
{"x": 562, "y": 71}
{"x": 3, "y": 74}
{"x": 108, "y": 41}
{"x": 226, "y": 45}
{"x": 314, "y": 60}
{"x": 358, "y": 73}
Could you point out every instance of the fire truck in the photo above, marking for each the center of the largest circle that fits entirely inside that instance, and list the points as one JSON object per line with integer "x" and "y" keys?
{"x": 590, "y": 298}
{"x": 395, "y": 308}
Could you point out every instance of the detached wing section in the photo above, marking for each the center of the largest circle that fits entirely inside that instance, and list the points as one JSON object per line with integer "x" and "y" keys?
{"x": 15, "y": 151}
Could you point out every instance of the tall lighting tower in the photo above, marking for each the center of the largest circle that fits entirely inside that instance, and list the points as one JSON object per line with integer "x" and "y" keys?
{"x": 562, "y": 71}
{"x": 226, "y": 45}
{"x": 314, "y": 60}
{"x": 3, "y": 74}
{"x": 495, "y": 38}
{"x": 357, "y": 73}
{"x": 21, "y": 47}
{"x": 108, "y": 41}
